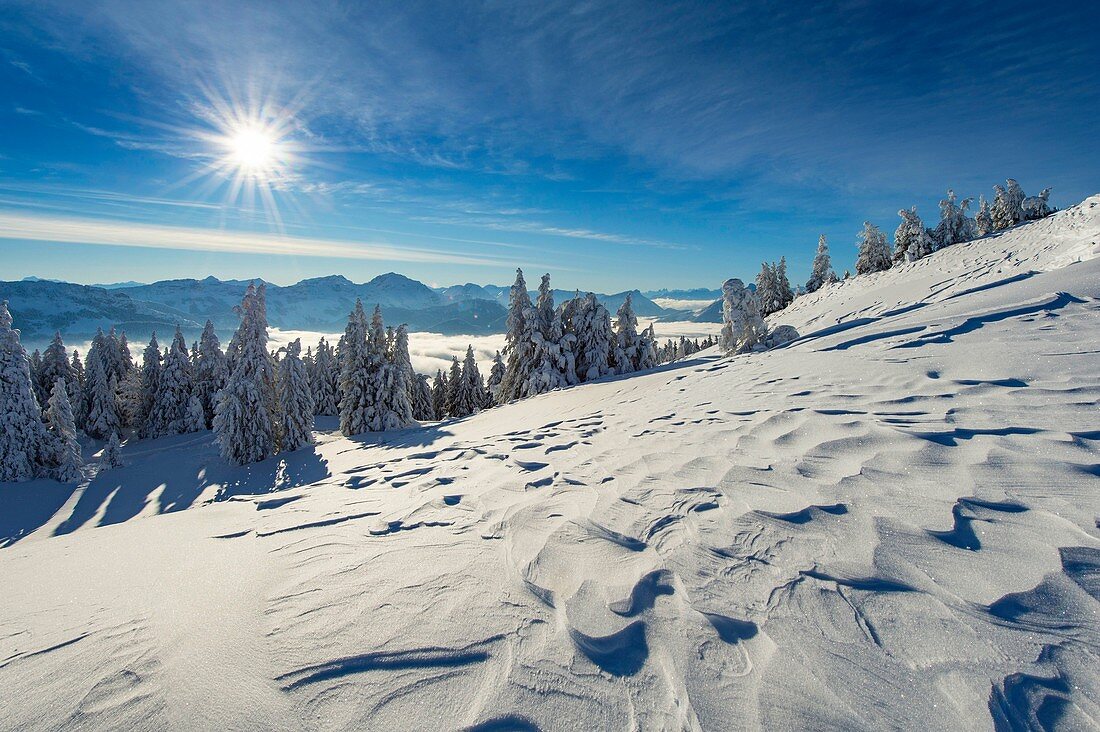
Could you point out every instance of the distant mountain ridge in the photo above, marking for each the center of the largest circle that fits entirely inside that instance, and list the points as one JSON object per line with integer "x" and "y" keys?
{"x": 643, "y": 306}
{"x": 320, "y": 303}
{"x": 698, "y": 293}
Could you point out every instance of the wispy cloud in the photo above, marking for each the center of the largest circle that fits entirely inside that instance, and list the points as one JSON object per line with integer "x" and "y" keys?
{"x": 535, "y": 227}
{"x": 57, "y": 229}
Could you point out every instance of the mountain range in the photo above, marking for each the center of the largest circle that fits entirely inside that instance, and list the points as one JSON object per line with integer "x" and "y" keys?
{"x": 41, "y": 306}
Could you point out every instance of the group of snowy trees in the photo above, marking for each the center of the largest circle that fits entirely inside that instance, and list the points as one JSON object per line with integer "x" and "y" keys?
{"x": 743, "y": 327}
{"x": 266, "y": 405}
{"x": 743, "y": 310}
{"x": 773, "y": 289}
{"x": 169, "y": 393}
{"x": 375, "y": 375}
{"x": 548, "y": 347}
{"x": 674, "y": 350}
{"x": 369, "y": 382}
{"x": 913, "y": 241}
{"x": 461, "y": 391}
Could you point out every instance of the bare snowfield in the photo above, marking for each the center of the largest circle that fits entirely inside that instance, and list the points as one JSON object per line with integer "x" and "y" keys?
{"x": 889, "y": 523}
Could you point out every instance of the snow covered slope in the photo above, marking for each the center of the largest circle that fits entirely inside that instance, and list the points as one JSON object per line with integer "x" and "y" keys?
{"x": 889, "y": 523}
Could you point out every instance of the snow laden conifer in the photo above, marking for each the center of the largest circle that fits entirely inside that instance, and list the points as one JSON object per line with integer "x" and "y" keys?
{"x": 785, "y": 295}
{"x": 647, "y": 350}
{"x": 742, "y": 325}
{"x": 77, "y": 367}
{"x": 911, "y": 239}
{"x": 245, "y": 415}
{"x": 551, "y": 354}
{"x": 34, "y": 363}
{"x": 125, "y": 359}
{"x": 356, "y": 393}
{"x": 454, "y": 384}
{"x": 767, "y": 290}
{"x": 79, "y": 404}
{"x": 108, "y": 350}
{"x": 22, "y": 435}
{"x": 56, "y": 365}
{"x": 393, "y": 402}
{"x": 65, "y": 448}
{"x": 323, "y": 377}
{"x": 169, "y": 413}
{"x": 295, "y": 399}
{"x": 590, "y": 324}
{"x": 1015, "y": 197}
{"x": 983, "y": 219}
{"x": 1037, "y": 207}
{"x": 423, "y": 411}
{"x": 624, "y": 351}
{"x": 439, "y": 395}
{"x": 773, "y": 288}
{"x": 496, "y": 375}
{"x": 151, "y": 366}
{"x": 402, "y": 361}
{"x": 518, "y": 341}
{"x": 130, "y": 398}
{"x": 955, "y": 226}
{"x": 467, "y": 397}
{"x": 102, "y": 418}
{"x": 196, "y": 416}
{"x": 211, "y": 372}
{"x": 1007, "y": 209}
{"x": 111, "y": 457}
{"x": 874, "y": 252}
{"x": 821, "y": 272}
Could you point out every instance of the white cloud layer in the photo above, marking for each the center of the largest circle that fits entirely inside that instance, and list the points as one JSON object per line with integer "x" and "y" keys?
{"x": 58, "y": 229}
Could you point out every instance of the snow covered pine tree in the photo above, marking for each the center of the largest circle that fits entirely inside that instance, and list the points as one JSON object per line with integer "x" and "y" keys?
{"x": 356, "y": 396}
{"x": 874, "y": 253}
{"x": 22, "y": 435}
{"x": 821, "y": 272}
{"x": 169, "y": 414}
{"x": 742, "y": 325}
{"x": 244, "y": 418}
{"x": 518, "y": 342}
{"x": 955, "y": 226}
{"x": 551, "y": 357}
{"x": 211, "y": 372}
{"x": 911, "y": 240}
{"x": 65, "y": 448}
{"x": 624, "y": 352}
{"x": 323, "y": 377}
{"x": 295, "y": 399}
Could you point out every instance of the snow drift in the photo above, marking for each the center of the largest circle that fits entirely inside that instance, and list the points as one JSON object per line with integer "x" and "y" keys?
{"x": 889, "y": 522}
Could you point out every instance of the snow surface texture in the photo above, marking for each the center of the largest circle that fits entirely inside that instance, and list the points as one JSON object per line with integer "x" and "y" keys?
{"x": 888, "y": 523}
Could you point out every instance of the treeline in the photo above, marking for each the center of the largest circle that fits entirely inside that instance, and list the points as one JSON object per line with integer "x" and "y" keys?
{"x": 674, "y": 350}
{"x": 743, "y": 309}
{"x": 912, "y": 241}
{"x": 260, "y": 402}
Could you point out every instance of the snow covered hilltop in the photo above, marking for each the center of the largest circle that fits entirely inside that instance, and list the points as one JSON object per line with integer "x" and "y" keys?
{"x": 890, "y": 522}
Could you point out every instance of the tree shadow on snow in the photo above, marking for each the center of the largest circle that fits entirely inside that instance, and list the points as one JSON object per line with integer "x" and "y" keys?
{"x": 421, "y": 436}
{"x": 24, "y": 507}
{"x": 173, "y": 472}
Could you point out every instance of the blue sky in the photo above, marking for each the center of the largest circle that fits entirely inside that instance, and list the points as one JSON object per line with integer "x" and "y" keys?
{"x": 615, "y": 145}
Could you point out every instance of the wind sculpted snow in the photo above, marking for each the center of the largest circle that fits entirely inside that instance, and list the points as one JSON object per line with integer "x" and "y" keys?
{"x": 887, "y": 523}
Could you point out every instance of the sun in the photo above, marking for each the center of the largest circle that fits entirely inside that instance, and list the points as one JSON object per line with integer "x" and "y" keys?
{"x": 253, "y": 149}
